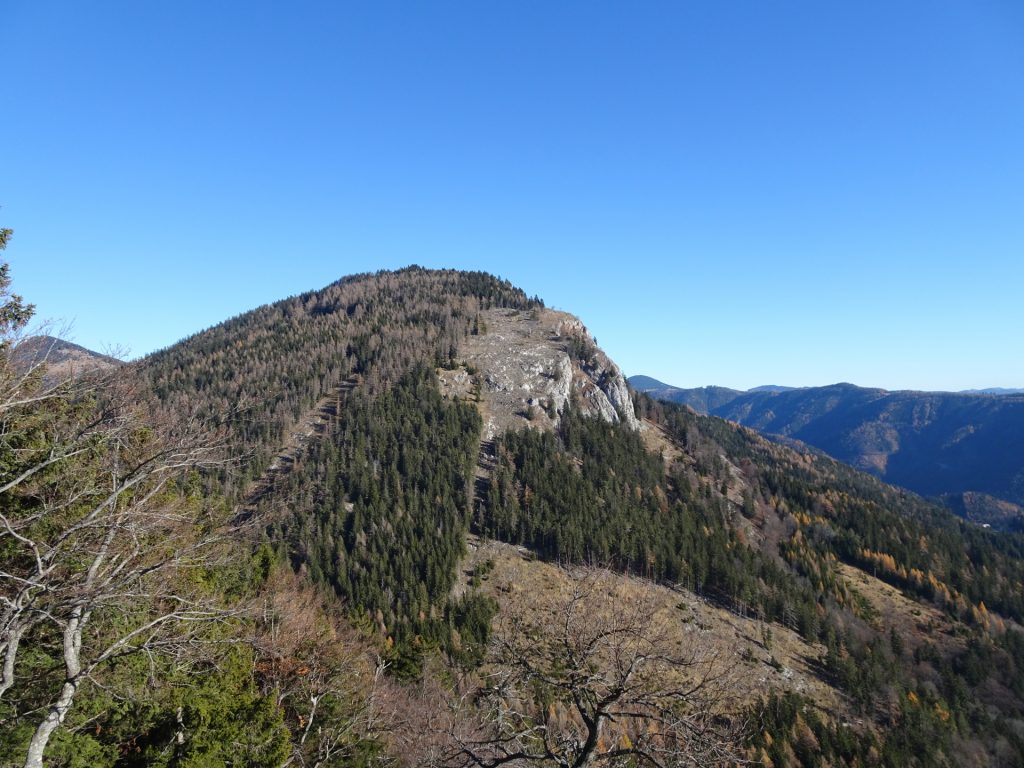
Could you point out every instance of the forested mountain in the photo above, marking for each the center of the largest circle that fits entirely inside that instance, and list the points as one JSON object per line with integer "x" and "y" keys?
{"x": 701, "y": 399}
{"x": 61, "y": 358}
{"x": 969, "y": 447}
{"x": 264, "y": 372}
{"x": 415, "y": 518}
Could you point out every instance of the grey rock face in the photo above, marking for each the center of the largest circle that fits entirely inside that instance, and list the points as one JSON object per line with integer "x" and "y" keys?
{"x": 618, "y": 394}
{"x": 526, "y": 375}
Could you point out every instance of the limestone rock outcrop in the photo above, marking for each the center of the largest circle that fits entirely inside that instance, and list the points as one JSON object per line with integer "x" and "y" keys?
{"x": 527, "y": 366}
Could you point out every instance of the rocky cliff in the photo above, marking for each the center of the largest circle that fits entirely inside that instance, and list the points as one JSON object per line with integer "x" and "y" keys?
{"x": 524, "y": 366}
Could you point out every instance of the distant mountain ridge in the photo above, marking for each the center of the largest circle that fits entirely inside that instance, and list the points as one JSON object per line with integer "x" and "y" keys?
{"x": 992, "y": 391}
{"x": 651, "y": 386}
{"x": 963, "y": 446}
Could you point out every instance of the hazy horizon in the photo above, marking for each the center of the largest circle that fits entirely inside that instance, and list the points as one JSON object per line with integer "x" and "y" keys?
{"x": 1013, "y": 390}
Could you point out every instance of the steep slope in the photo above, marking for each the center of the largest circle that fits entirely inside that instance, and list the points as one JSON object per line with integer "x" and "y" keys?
{"x": 796, "y": 540}
{"x": 933, "y": 443}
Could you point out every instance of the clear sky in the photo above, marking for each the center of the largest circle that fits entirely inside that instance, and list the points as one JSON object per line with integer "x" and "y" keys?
{"x": 733, "y": 193}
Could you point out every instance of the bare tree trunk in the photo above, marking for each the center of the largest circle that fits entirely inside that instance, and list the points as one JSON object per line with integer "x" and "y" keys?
{"x": 60, "y": 707}
{"x": 10, "y": 653}
{"x": 53, "y": 718}
{"x": 590, "y": 748}
{"x": 78, "y": 618}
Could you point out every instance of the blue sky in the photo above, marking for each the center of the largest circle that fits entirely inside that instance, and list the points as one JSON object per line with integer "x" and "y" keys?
{"x": 732, "y": 193}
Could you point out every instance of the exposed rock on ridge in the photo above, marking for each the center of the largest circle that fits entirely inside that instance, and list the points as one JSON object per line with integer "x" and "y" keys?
{"x": 526, "y": 366}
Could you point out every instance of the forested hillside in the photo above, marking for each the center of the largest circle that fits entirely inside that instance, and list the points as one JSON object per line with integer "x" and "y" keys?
{"x": 770, "y": 532}
{"x": 143, "y": 621}
{"x": 288, "y": 582}
{"x": 263, "y": 372}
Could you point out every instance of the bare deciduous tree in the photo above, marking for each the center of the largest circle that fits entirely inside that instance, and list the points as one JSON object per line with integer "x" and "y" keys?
{"x": 107, "y": 547}
{"x": 93, "y": 530}
{"x": 325, "y": 678}
{"x": 602, "y": 682}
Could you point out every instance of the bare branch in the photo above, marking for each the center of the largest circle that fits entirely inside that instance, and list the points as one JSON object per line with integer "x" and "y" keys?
{"x": 606, "y": 684}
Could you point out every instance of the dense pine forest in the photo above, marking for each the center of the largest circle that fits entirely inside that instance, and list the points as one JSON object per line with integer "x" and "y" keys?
{"x": 378, "y": 512}
{"x": 594, "y": 494}
{"x": 250, "y": 549}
